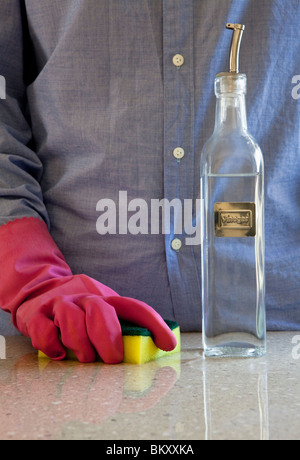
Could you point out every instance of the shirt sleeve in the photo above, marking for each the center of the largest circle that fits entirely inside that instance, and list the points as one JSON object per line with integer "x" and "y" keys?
{"x": 20, "y": 167}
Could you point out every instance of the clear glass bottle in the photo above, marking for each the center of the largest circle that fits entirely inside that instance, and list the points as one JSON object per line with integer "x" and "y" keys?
{"x": 232, "y": 191}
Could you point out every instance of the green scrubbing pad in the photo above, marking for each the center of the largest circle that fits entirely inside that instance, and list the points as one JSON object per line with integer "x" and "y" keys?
{"x": 139, "y": 346}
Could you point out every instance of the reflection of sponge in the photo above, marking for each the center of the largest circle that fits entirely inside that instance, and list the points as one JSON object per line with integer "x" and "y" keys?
{"x": 139, "y": 346}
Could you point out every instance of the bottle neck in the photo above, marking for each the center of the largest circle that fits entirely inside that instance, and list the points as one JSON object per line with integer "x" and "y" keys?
{"x": 231, "y": 113}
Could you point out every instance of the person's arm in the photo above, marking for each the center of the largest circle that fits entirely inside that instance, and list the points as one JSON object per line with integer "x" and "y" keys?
{"x": 20, "y": 167}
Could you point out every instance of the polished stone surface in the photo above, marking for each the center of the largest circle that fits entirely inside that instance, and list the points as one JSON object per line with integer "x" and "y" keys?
{"x": 181, "y": 397}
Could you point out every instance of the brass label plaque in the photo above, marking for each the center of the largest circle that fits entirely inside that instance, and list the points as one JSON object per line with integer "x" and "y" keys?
{"x": 235, "y": 219}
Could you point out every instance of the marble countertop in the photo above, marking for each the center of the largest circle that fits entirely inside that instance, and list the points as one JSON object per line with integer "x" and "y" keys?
{"x": 180, "y": 397}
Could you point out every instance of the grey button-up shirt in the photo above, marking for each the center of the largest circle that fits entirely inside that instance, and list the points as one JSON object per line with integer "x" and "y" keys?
{"x": 108, "y": 104}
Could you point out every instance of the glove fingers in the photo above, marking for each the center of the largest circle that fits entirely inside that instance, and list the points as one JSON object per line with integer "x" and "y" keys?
{"x": 44, "y": 337}
{"x": 71, "y": 321}
{"x": 104, "y": 329}
{"x": 145, "y": 316}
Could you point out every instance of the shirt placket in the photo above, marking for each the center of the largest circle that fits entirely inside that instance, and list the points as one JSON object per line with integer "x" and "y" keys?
{"x": 179, "y": 155}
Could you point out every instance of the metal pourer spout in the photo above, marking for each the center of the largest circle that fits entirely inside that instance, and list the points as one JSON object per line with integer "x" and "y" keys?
{"x": 238, "y": 30}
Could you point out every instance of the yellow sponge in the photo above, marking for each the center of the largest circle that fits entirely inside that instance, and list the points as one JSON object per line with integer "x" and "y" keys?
{"x": 139, "y": 346}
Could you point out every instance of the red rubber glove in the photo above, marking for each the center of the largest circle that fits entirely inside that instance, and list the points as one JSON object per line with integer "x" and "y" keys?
{"x": 38, "y": 288}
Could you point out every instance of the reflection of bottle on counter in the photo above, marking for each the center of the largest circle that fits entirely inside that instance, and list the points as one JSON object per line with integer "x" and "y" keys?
{"x": 232, "y": 188}
{"x": 236, "y": 409}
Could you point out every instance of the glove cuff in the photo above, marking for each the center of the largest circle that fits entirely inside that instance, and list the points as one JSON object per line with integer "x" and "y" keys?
{"x": 28, "y": 258}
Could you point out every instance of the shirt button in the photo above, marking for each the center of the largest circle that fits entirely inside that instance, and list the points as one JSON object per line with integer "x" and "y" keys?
{"x": 178, "y": 60}
{"x": 178, "y": 153}
{"x": 176, "y": 244}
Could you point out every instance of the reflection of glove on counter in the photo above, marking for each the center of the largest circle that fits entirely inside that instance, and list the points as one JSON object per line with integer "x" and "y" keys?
{"x": 45, "y": 299}
{"x": 138, "y": 344}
